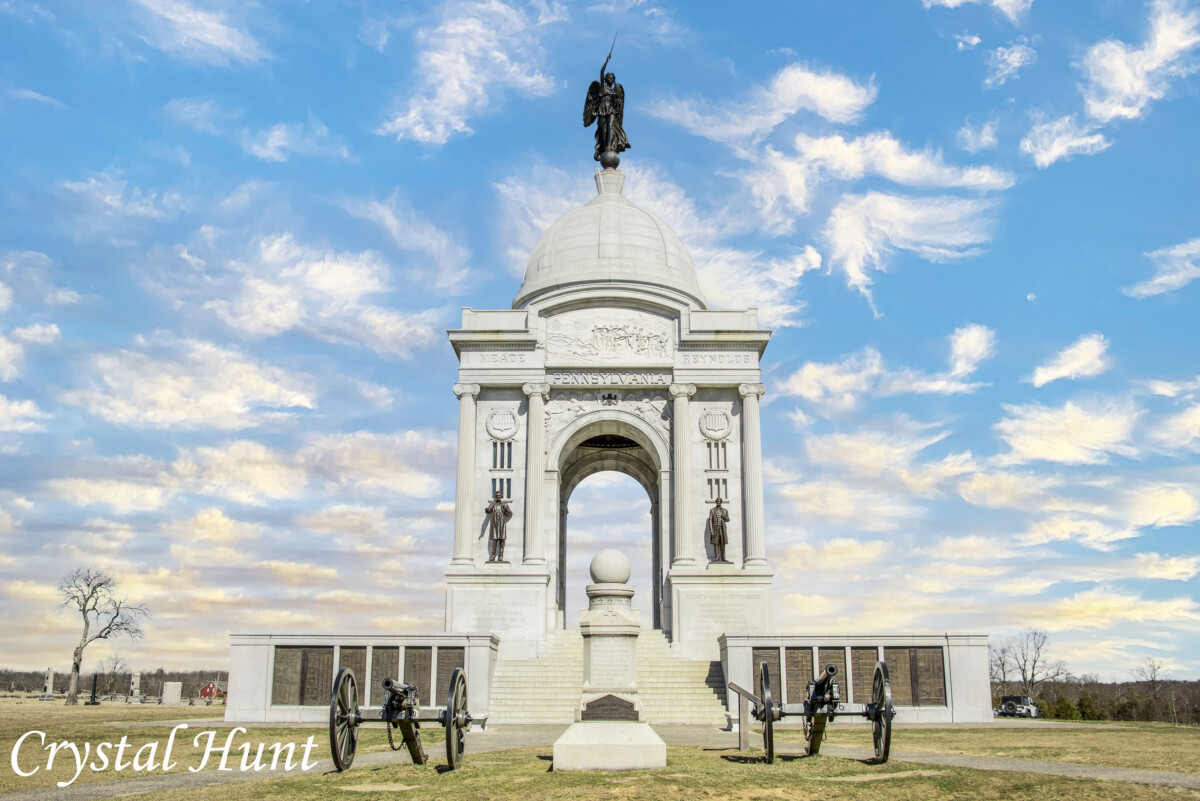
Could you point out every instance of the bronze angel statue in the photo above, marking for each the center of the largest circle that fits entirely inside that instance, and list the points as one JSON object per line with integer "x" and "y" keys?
{"x": 605, "y": 106}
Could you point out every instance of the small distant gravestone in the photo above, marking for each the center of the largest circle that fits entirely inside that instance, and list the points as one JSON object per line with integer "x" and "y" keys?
{"x": 135, "y": 689}
{"x": 48, "y": 690}
{"x": 172, "y": 693}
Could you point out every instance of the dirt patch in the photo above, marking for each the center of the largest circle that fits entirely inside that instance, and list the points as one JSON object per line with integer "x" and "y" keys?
{"x": 378, "y": 788}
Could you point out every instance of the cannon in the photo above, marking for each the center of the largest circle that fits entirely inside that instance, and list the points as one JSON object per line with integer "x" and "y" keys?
{"x": 401, "y": 710}
{"x": 823, "y": 703}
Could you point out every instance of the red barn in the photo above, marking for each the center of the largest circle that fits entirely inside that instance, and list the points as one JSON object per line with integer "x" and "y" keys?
{"x": 213, "y": 690}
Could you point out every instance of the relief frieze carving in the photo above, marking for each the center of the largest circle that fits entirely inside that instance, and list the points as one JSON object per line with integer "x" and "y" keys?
{"x": 566, "y": 406}
{"x": 609, "y": 335}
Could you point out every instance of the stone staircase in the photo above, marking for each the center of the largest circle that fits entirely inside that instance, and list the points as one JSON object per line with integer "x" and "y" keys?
{"x": 678, "y": 690}
{"x": 547, "y": 689}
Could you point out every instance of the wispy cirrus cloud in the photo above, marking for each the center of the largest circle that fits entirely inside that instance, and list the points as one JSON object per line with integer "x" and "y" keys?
{"x": 1075, "y": 433}
{"x": 1085, "y": 357}
{"x": 193, "y": 33}
{"x": 1004, "y": 63}
{"x": 1175, "y": 267}
{"x": 1048, "y": 142}
{"x": 1013, "y": 9}
{"x": 794, "y": 88}
{"x": 474, "y": 56}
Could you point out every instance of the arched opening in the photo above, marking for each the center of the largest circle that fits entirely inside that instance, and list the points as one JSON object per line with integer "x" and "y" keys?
{"x": 629, "y": 444}
{"x": 608, "y": 510}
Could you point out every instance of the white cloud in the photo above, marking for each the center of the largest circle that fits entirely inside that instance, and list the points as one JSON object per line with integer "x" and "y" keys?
{"x": 849, "y": 504}
{"x": 11, "y": 357}
{"x": 29, "y": 271}
{"x": 1162, "y": 505}
{"x": 1091, "y": 533}
{"x": 1123, "y": 80}
{"x": 39, "y": 334}
{"x": 342, "y": 518}
{"x": 1005, "y": 62}
{"x": 1013, "y": 9}
{"x": 1006, "y": 490}
{"x": 1181, "y": 430}
{"x": 213, "y": 527}
{"x": 286, "y": 286}
{"x": 794, "y": 88}
{"x": 839, "y": 553}
{"x": 205, "y": 115}
{"x": 243, "y": 471}
{"x": 179, "y": 28}
{"x": 1048, "y": 142}
{"x": 1175, "y": 267}
{"x": 19, "y": 93}
{"x": 20, "y": 415}
{"x": 478, "y": 52}
{"x": 106, "y": 200}
{"x": 1072, "y": 434}
{"x": 298, "y": 573}
{"x": 122, "y": 496}
{"x": 408, "y": 464}
{"x": 839, "y": 385}
{"x": 189, "y": 384}
{"x": 1101, "y": 608}
{"x": 967, "y": 41}
{"x": 864, "y": 229}
{"x": 975, "y": 140}
{"x": 1086, "y": 356}
{"x": 280, "y": 141}
{"x": 447, "y": 259}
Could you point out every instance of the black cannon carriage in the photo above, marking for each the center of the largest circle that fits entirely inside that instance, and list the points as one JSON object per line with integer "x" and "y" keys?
{"x": 401, "y": 710}
{"x": 822, "y": 704}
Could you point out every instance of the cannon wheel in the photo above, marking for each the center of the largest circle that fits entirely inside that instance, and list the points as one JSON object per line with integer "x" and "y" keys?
{"x": 881, "y": 726}
{"x": 768, "y": 713}
{"x": 456, "y": 718}
{"x": 343, "y": 719}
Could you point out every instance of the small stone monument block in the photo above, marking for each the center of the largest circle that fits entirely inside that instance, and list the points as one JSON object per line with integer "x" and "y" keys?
{"x": 48, "y": 688}
{"x": 609, "y": 707}
{"x": 172, "y": 693}
{"x": 135, "y": 689}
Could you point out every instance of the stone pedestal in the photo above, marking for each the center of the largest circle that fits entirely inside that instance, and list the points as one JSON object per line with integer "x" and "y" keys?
{"x": 719, "y": 598}
{"x": 135, "y": 689}
{"x": 610, "y": 732}
{"x": 172, "y": 693}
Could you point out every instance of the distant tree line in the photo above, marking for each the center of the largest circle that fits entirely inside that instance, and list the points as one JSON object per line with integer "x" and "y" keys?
{"x": 109, "y": 683}
{"x": 1021, "y": 666}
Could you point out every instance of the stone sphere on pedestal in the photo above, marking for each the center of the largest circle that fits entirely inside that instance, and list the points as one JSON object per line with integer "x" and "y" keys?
{"x": 610, "y": 566}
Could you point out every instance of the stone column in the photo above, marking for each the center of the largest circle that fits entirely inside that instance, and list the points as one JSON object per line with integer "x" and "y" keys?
{"x": 680, "y": 478}
{"x": 464, "y": 490}
{"x": 535, "y": 473}
{"x": 752, "y": 486}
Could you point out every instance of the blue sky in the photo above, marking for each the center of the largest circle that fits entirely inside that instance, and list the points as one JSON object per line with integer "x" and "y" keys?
{"x": 233, "y": 234}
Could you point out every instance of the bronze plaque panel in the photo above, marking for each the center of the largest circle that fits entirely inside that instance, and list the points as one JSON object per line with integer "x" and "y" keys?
{"x": 316, "y": 676}
{"x": 899, "y": 667}
{"x": 418, "y": 666}
{"x": 931, "y": 677}
{"x": 609, "y": 707}
{"x": 385, "y": 664}
{"x": 448, "y": 660}
{"x": 771, "y": 657}
{"x": 285, "y": 682}
{"x": 355, "y": 658}
{"x": 862, "y": 663}
{"x": 798, "y": 662}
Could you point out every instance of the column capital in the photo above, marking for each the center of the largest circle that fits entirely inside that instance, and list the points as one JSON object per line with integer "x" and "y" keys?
{"x": 685, "y": 390}
{"x": 756, "y": 390}
{"x": 537, "y": 389}
{"x": 466, "y": 389}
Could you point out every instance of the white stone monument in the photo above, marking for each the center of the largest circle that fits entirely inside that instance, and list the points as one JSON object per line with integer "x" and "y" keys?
{"x": 610, "y": 359}
{"x": 172, "y": 693}
{"x": 609, "y": 733}
{"x": 135, "y": 689}
{"x": 48, "y": 687}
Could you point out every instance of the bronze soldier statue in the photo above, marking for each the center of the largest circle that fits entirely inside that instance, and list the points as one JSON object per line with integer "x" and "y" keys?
{"x": 498, "y": 513}
{"x": 718, "y": 530}
{"x": 605, "y": 105}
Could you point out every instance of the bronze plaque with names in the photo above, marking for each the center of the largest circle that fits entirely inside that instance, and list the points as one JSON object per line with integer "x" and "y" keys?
{"x": 609, "y": 707}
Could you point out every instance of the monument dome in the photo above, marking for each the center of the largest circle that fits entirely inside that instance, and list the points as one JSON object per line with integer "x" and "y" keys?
{"x": 609, "y": 241}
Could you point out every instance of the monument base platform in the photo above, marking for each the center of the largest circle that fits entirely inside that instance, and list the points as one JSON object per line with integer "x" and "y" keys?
{"x": 609, "y": 745}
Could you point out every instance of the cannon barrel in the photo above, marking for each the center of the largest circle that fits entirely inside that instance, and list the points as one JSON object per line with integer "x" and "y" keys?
{"x": 821, "y": 686}
{"x": 400, "y": 691}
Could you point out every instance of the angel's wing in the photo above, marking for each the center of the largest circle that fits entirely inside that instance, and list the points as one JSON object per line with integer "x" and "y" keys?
{"x": 591, "y": 104}
{"x": 619, "y": 103}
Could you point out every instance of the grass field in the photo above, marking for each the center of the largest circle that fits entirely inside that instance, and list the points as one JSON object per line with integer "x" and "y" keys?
{"x": 1146, "y": 746}
{"x": 692, "y": 772}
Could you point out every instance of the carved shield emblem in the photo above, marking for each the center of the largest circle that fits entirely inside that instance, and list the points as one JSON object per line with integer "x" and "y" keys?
{"x": 715, "y": 424}
{"x": 501, "y": 424}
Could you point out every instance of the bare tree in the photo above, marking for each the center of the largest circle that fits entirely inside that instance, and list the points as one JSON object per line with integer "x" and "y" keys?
{"x": 111, "y": 668}
{"x": 93, "y": 593}
{"x": 1027, "y": 652}
{"x": 1152, "y": 672}
{"x": 1000, "y": 665}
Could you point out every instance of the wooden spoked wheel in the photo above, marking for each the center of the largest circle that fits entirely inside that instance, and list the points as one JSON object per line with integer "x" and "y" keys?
{"x": 881, "y": 725}
{"x": 344, "y": 719}
{"x": 768, "y": 713}
{"x": 457, "y": 718}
